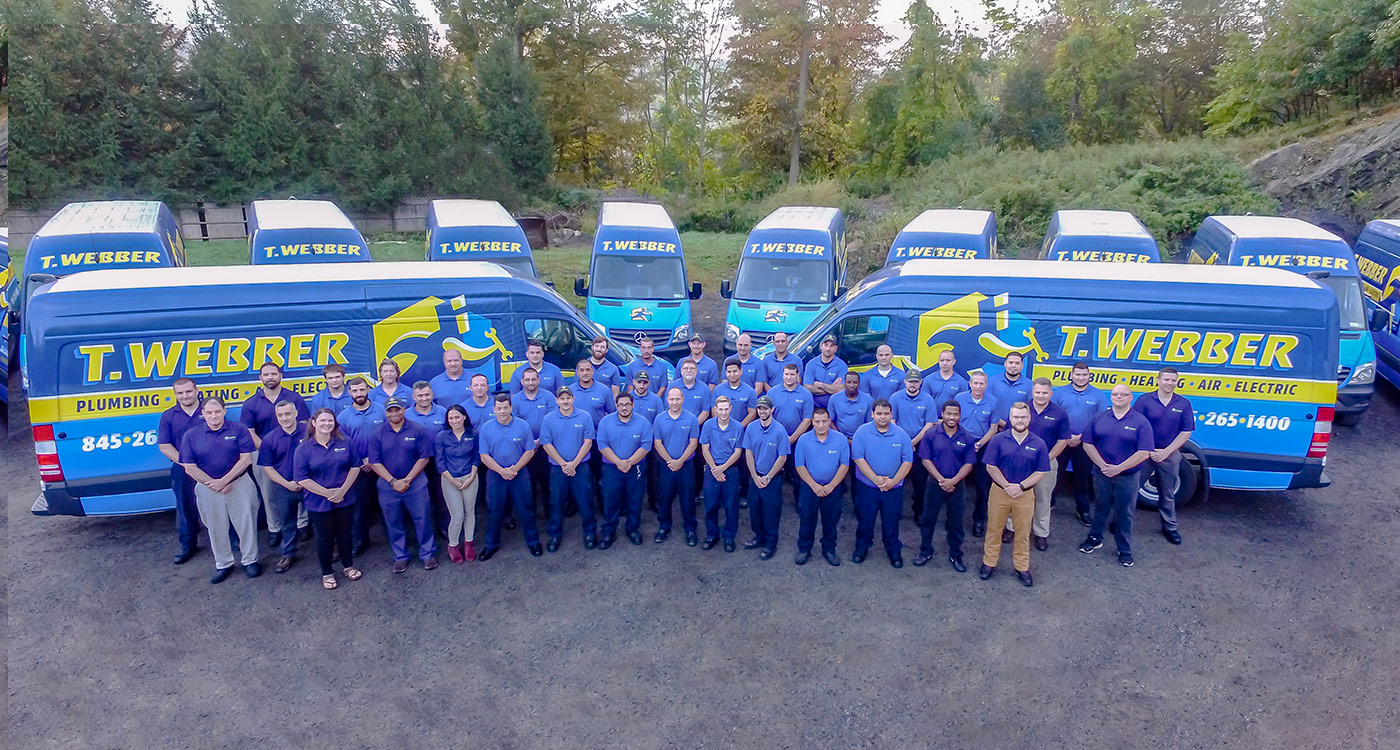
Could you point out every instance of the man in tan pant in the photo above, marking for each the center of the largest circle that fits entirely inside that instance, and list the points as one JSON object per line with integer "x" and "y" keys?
{"x": 1016, "y": 460}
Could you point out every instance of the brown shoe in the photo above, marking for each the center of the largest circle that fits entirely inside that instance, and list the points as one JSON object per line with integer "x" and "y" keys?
{"x": 284, "y": 565}
{"x": 1042, "y": 543}
{"x": 1007, "y": 536}
{"x": 430, "y": 563}
{"x": 400, "y": 566}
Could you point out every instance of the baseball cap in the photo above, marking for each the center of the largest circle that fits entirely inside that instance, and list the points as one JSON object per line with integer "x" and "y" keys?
{"x": 913, "y": 376}
{"x": 765, "y": 401}
{"x": 697, "y": 337}
{"x": 829, "y": 337}
{"x": 393, "y": 402}
{"x": 564, "y": 389}
{"x": 642, "y": 375}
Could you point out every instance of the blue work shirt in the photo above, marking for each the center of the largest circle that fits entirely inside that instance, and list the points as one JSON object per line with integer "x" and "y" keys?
{"x": 697, "y": 396}
{"x": 766, "y": 444}
{"x": 533, "y": 410}
{"x": 448, "y": 392}
{"x": 911, "y": 413}
{"x": 790, "y": 407}
{"x": 624, "y": 438}
{"x": 657, "y": 371}
{"x": 398, "y": 450}
{"x": 1168, "y": 420}
{"x": 1116, "y": 439}
{"x": 884, "y": 451}
{"x": 401, "y": 392}
{"x": 608, "y": 374}
{"x": 817, "y": 371}
{"x": 1081, "y": 406}
{"x": 848, "y": 414}
{"x": 454, "y": 455}
{"x": 675, "y": 433}
{"x": 647, "y": 406}
{"x": 1017, "y": 460}
{"x": 1007, "y": 393}
{"x": 977, "y": 416}
{"x": 752, "y": 371}
{"x": 434, "y": 421}
{"x": 324, "y": 400}
{"x": 948, "y": 453}
{"x": 1051, "y": 425}
{"x": 566, "y": 434}
{"x": 941, "y": 390}
{"x": 505, "y": 443}
{"x": 278, "y": 448}
{"x": 174, "y": 423}
{"x": 706, "y": 371}
{"x": 551, "y": 377}
{"x": 480, "y": 414}
{"x": 773, "y": 368}
{"x": 822, "y": 458}
{"x": 882, "y": 386}
{"x": 327, "y": 465}
{"x": 723, "y": 441}
{"x": 741, "y": 399}
{"x": 215, "y": 451}
{"x": 596, "y": 400}
{"x": 360, "y": 425}
{"x": 259, "y": 414}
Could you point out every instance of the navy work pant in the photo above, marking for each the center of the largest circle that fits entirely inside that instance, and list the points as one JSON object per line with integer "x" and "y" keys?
{"x": 769, "y": 503}
{"x": 516, "y": 492}
{"x": 418, "y": 506}
{"x": 887, "y": 503}
{"x": 187, "y": 522}
{"x": 1119, "y": 496}
{"x": 935, "y": 500}
{"x": 578, "y": 488}
{"x": 622, "y": 489}
{"x": 722, "y": 495}
{"x": 673, "y": 484}
{"x": 809, "y": 506}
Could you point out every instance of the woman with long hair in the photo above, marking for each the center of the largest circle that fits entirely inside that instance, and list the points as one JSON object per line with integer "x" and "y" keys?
{"x": 326, "y": 465}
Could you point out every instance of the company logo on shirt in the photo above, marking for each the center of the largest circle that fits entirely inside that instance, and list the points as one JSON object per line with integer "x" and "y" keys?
{"x": 425, "y": 329}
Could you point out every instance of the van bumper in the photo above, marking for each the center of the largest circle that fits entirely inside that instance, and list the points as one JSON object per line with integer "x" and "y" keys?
{"x": 1354, "y": 399}
{"x": 120, "y": 496}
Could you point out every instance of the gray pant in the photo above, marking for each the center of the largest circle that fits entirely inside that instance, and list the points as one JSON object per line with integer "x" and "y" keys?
{"x": 1167, "y": 476}
{"x": 239, "y": 507}
{"x": 1043, "y": 491}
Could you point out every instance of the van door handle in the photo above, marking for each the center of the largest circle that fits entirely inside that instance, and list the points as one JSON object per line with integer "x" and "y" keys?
{"x": 62, "y": 435}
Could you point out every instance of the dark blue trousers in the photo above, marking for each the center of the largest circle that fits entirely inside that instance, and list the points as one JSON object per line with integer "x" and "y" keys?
{"x": 769, "y": 501}
{"x": 187, "y": 523}
{"x": 579, "y": 487}
{"x": 418, "y": 505}
{"x": 619, "y": 489}
{"x": 869, "y": 502}
{"x": 809, "y": 506}
{"x": 1119, "y": 496}
{"x": 367, "y": 510}
{"x": 287, "y": 504}
{"x": 935, "y": 499}
{"x": 1081, "y": 473}
{"x": 516, "y": 492}
{"x": 722, "y": 495}
{"x": 669, "y": 485}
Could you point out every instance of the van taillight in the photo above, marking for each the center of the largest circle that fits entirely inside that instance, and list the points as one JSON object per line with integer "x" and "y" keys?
{"x": 1322, "y": 432}
{"x": 46, "y": 450}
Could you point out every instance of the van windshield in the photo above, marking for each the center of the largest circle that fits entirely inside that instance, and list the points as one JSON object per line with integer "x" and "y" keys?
{"x": 638, "y": 277}
{"x": 1349, "y": 304}
{"x": 782, "y": 280}
{"x": 516, "y": 264}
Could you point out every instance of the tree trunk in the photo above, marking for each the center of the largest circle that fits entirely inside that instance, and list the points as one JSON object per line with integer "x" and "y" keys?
{"x": 795, "y": 157}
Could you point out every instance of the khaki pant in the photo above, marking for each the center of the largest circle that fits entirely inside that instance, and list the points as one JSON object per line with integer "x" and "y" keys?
{"x": 1044, "y": 490}
{"x": 999, "y": 506}
{"x": 239, "y": 508}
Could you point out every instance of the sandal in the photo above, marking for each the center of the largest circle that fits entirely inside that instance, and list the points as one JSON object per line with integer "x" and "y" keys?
{"x": 353, "y": 574}
{"x": 328, "y": 582}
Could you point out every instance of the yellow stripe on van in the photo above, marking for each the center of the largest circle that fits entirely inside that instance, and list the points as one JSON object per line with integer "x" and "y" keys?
{"x": 1296, "y": 390}
{"x": 152, "y": 400}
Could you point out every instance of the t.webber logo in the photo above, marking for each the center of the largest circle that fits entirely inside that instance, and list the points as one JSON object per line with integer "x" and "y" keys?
{"x": 421, "y": 332}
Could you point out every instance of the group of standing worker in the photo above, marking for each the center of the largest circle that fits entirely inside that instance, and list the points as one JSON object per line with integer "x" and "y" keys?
{"x": 620, "y": 439}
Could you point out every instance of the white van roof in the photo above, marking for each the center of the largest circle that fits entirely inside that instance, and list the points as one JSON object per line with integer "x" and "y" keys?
{"x": 470, "y": 212}
{"x": 1274, "y": 227}
{"x": 950, "y": 220}
{"x": 102, "y": 217}
{"x": 295, "y": 214}
{"x": 635, "y": 214}
{"x": 160, "y": 278}
{"x": 816, "y": 218}
{"x": 1096, "y": 223}
{"x": 1067, "y": 269}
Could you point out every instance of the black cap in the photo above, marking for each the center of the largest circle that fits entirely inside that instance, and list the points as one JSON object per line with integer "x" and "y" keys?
{"x": 393, "y": 402}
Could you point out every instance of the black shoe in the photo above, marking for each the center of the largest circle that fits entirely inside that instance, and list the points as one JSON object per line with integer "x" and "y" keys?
{"x": 553, "y": 545}
{"x": 274, "y": 539}
{"x": 743, "y": 502}
{"x": 535, "y": 550}
{"x": 606, "y": 543}
{"x": 635, "y": 537}
{"x": 858, "y": 556}
{"x": 1041, "y": 543}
{"x": 430, "y": 564}
{"x": 184, "y": 555}
{"x": 485, "y": 554}
{"x": 1112, "y": 529}
{"x": 709, "y": 543}
{"x": 1025, "y": 576}
{"x": 985, "y": 572}
{"x": 802, "y": 557}
{"x": 922, "y": 559}
{"x": 661, "y": 536}
{"x": 957, "y": 564}
{"x": 508, "y": 524}
{"x": 896, "y": 561}
{"x": 754, "y": 543}
{"x": 831, "y": 558}
{"x": 1084, "y": 518}
{"x": 359, "y": 549}
{"x": 400, "y": 566}
{"x": 766, "y": 553}
{"x": 1125, "y": 559}
{"x": 691, "y": 539}
{"x": 253, "y": 570}
{"x": 305, "y": 534}
{"x": 979, "y": 528}
{"x": 589, "y": 542}
{"x": 571, "y": 509}
{"x": 1172, "y": 536}
{"x": 1007, "y": 536}
{"x": 1090, "y": 544}
{"x": 220, "y": 574}
{"x": 729, "y": 545}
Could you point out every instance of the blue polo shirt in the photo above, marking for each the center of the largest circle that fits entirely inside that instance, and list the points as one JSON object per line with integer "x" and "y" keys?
{"x": 706, "y": 371}
{"x": 608, "y": 374}
{"x": 675, "y": 433}
{"x": 434, "y": 421}
{"x": 1118, "y": 439}
{"x": 1017, "y": 460}
{"x": 533, "y": 410}
{"x": 697, "y": 396}
{"x": 884, "y": 451}
{"x": 505, "y": 443}
{"x": 551, "y": 377}
{"x": 277, "y": 449}
{"x": 448, "y": 392}
{"x": 215, "y": 451}
{"x": 949, "y": 453}
{"x": 941, "y": 390}
{"x": 359, "y": 425}
{"x": 790, "y": 407}
{"x": 1051, "y": 425}
{"x": 977, "y": 416}
{"x": 480, "y": 414}
{"x": 174, "y": 423}
{"x": 647, "y": 406}
{"x": 752, "y": 371}
{"x": 1168, "y": 420}
{"x": 766, "y": 444}
{"x": 848, "y": 414}
{"x": 741, "y": 399}
{"x": 596, "y": 400}
{"x": 1007, "y": 393}
{"x": 624, "y": 438}
{"x": 454, "y": 455}
{"x": 882, "y": 386}
{"x": 723, "y": 441}
{"x": 1080, "y": 405}
{"x": 911, "y": 413}
{"x": 822, "y": 458}
{"x": 258, "y": 413}
{"x": 818, "y": 371}
{"x": 324, "y": 400}
{"x": 398, "y": 451}
{"x": 566, "y": 434}
{"x": 773, "y": 368}
{"x": 401, "y": 392}
{"x": 656, "y": 371}
{"x": 327, "y": 465}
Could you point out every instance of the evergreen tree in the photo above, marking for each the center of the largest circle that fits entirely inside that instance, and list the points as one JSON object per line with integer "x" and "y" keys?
{"x": 510, "y": 100}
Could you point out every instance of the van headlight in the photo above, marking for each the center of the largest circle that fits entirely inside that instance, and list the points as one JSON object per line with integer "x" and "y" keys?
{"x": 682, "y": 333}
{"x": 1364, "y": 375}
{"x": 731, "y": 332}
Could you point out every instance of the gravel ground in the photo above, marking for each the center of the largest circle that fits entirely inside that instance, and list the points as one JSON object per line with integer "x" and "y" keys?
{"x": 1263, "y": 630}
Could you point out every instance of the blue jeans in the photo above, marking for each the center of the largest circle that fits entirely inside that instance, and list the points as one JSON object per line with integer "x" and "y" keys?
{"x": 499, "y": 492}
{"x": 808, "y": 507}
{"x": 1119, "y": 495}
{"x": 722, "y": 495}
{"x": 580, "y": 488}
{"x": 286, "y": 503}
{"x": 418, "y": 505}
{"x": 887, "y": 503}
{"x": 618, "y": 488}
{"x": 669, "y": 484}
{"x": 769, "y": 501}
{"x": 934, "y": 501}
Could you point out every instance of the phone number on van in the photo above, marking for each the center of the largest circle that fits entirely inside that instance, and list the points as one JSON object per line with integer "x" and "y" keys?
{"x": 1248, "y": 421}
{"x": 118, "y": 440}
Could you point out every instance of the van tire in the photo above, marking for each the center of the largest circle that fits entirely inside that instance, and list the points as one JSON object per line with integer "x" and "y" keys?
{"x": 1191, "y": 489}
{"x": 1350, "y": 420}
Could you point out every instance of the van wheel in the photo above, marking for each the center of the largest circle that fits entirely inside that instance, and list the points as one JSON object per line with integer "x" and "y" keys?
{"x": 1189, "y": 489}
{"x": 1350, "y": 420}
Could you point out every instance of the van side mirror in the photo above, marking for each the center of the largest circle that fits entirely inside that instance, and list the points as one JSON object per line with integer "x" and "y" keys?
{"x": 841, "y": 291}
{"x": 549, "y": 284}
{"x": 695, "y": 290}
{"x": 1379, "y": 319}
{"x": 581, "y": 287}
{"x": 724, "y": 290}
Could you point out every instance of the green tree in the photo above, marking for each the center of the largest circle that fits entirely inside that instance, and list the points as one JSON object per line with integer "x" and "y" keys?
{"x": 510, "y": 98}
{"x": 1095, "y": 77}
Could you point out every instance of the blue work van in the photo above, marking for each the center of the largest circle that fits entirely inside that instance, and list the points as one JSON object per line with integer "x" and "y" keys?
{"x": 1378, "y": 260}
{"x": 1295, "y": 245}
{"x": 296, "y": 231}
{"x": 106, "y": 347}
{"x": 792, "y": 267}
{"x": 1098, "y": 237}
{"x": 946, "y": 233}
{"x": 1257, "y": 348}
{"x": 477, "y": 230}
{"x": 9, "y": 285}
{"x": 637, "y": 284}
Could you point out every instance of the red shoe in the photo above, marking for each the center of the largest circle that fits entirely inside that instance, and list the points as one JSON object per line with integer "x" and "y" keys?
{"x": 454, "y": 553}
{"x": 470, "y": 552}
